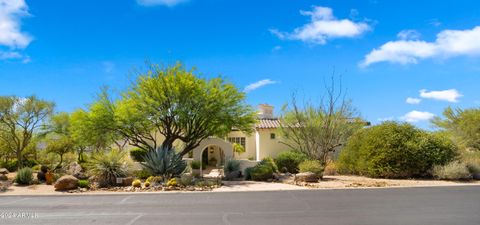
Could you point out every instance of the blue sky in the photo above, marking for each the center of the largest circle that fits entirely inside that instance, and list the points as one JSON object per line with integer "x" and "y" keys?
{"x": 386, "y": 51}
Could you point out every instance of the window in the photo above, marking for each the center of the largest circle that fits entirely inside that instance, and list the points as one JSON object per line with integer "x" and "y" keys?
{"x": 272, "y": 135}
{"x": 238, "y": 140}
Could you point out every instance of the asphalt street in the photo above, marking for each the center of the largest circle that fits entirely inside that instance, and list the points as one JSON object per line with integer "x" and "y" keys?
{"x": 400, "y": 206}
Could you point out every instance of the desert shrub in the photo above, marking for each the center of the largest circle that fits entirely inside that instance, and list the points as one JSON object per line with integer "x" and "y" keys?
{"x": 83, "y": 184}
{"x": 330, "y": 169}
{"x": 248, "y": 173}
{"x": 452, "y": 171}
{"x": 142, "y": 174}
{"x": 195, "y": 164}
{"x": 138, "y": 154}
{"x": 231, "y": 166}
{"x": 24, "y": 176}
{"x": 290, "y": 160}
{"x": 12, "y": 165}
{"x": 137, "y": 183}
{"x": 205, "y": 183}
{"x": 313, "y": 166}
{"x": 108, "y": 166}
{"x": 394, "y": 150}
{"x": 261, "y": 172}
{"x": 186, "y": 180}
{"x": 36, "y": 168}
{"x": 164, "y": 162}
{"x": 269, "y": 162}
{"x": 472, "y": 160}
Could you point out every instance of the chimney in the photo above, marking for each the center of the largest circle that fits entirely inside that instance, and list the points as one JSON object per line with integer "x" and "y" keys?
{"x": 265, "y": 111}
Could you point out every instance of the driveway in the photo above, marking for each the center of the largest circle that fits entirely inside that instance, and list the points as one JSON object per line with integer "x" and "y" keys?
{"x": 421, "y": 206}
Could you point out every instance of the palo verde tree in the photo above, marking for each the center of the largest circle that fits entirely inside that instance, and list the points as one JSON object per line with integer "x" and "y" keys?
{"x": 20, "y": 119}
{"x": 319, "y": 129}
{"x": 463, "y": 126}
{"x": 173, "y": 105}
{"x": 57, "y": 136}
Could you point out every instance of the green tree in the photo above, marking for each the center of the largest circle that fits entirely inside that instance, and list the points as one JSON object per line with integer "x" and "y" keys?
{"x": 394, "y": 150}
{"x": 177, "y": 105}
{"x": 319, "y": 130}
{"x": 20, "y": 119}
{"x": 463, "y": 126}
{"x": 60, "y": 145}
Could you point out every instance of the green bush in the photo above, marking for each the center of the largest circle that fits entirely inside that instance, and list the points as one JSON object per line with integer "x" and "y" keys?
{"x": 231, "y": 166}
{"x": 313, "y": 166}
{"x": 138, "y": 154}
{"x": 12, "y": 165}
{"x": 268, "y": 161}
{"x": 83, "y": 184}
{"x": 261, "y": 172}
{"x": 290, "y": 160}
{"x": 393, "y": 150}
{"x": 452, "y": 171}
{"x": 24, "y": 176}
{"x": 195, "y": 164}
{"x": 142, "y": 174}
{"x": 248, "y": 173}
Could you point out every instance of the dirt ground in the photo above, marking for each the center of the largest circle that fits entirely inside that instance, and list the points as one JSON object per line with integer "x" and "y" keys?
{"x": 329, "y": 182}
{"x": 365, "y": 182}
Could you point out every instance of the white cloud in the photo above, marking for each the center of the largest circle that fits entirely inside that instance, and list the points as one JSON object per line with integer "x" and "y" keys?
{"x": 408, "y": 35}
{"x": 322, "y": 27}
{"x": 450, "y": 95}
{"x": 11, "y": 36}
{"x": 417, "y": 116}
{"x": 449, "y": 43}
{"x": 169, "y": 3}
{"x": 258, "y": 84}
{"x": 413, "y": 100}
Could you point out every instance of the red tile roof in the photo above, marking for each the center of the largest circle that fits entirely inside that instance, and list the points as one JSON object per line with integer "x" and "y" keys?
{"x": 268, "y": 123}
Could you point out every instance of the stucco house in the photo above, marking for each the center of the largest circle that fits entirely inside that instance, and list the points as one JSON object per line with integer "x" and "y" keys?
{"x": 265, "y": 141}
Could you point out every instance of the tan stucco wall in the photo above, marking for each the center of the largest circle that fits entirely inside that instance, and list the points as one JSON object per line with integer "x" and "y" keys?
{"x": 270, "y": 147}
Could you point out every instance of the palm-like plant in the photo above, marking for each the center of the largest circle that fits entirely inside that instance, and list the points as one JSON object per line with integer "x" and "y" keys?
{"x": 164, "y": 162}
{"x": 108, "y": 166}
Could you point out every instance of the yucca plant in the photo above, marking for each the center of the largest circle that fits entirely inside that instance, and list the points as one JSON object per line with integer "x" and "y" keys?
{"x": 164, "y": 162}
{"x": 107, "y": 166}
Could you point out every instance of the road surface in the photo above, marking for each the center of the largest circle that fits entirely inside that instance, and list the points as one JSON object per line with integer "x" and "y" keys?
{"x": 421, "y": 206}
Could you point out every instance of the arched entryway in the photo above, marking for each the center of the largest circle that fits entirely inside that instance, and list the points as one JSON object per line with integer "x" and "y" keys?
{"x": 213, "y": 154}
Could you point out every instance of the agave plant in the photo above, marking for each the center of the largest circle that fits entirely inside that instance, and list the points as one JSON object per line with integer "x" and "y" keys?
{"x": 164, "y": 162}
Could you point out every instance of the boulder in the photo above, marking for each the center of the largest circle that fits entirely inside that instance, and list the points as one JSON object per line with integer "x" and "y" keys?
{"x": 3, "y": 177}
{"x": 77, "y": 171}
{"x": 3, "y": 171}
{"x": 66, "y": 182}
{"x": 41, "y": 176}
{"x": 306, "y": 177}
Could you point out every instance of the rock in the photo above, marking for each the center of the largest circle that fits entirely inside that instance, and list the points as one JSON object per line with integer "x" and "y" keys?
{"x": 127, "y": 181}
{"x": 44, "y": 169}
{"x": 3, "y": 171}
{"x": 77, "y": 171}
{"x": 306, "y": 177}
{"x": 41, "y": 176}
{"x": 3, "y": 177}
{"x": 66, "y": 182}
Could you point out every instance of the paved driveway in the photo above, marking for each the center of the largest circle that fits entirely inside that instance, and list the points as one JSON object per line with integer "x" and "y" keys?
{"x": 421, "y": 206}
